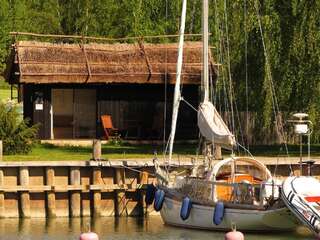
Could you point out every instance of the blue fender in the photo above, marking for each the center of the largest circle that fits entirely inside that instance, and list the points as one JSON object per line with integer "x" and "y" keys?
{"x": 158, "y": 200}
{"x": 218, "y": 213}
{"x": 151, "y": 190}
{"x": 185, "y": 208}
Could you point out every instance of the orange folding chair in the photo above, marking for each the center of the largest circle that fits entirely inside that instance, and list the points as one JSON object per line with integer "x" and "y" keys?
{"x": 108, "y": 126}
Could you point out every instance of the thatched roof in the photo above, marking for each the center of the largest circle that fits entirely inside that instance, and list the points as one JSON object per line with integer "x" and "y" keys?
{"x": 39, "y": 62}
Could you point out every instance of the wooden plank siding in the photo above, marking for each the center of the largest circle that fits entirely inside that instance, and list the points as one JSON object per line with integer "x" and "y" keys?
{"x": 137, "y": 110}
{"x": 41, "y": 117}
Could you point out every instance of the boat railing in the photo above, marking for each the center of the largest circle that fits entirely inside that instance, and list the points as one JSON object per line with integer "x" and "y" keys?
{"x": 244, "y": 192}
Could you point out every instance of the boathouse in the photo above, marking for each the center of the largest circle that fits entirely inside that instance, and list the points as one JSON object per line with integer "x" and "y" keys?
{"x": 68, "y": 87}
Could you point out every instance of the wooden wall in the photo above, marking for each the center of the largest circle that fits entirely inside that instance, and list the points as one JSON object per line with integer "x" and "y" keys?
{"x": 137, "y": 110}
{"x": 63, "y": 189}
{"x": 33, "y": 97}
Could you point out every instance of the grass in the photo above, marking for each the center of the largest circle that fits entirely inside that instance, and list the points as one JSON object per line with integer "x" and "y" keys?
{"x": 277, "y": 150}
{"x": 5, "y": 94}
{"x": 48, "y": 152}
{"x": 44, "y": 152}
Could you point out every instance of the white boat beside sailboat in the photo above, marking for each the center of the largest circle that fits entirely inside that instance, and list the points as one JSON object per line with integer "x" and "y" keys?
{"x": 302, "y": 197}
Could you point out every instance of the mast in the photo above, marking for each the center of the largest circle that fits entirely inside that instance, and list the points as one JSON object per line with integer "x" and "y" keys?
{"x": 177, "y": 92}
{"x": 205, "y": 50}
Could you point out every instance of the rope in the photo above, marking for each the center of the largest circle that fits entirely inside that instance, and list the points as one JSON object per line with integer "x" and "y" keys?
{"x": 189, "y": 104}
{"x": 246, "y": 71}
{"x": 125, "y": 167}
{"x": 229, "y": 66}
{"x": 101, "y": 38}
{"x": 193, "y": 13}
{"x": 274, "y": 99}
{"x": 82, "y": 46}
{"x": 143, "y": 53}
{"x": 165, "y": 87}
{"x": 245, "y": 149}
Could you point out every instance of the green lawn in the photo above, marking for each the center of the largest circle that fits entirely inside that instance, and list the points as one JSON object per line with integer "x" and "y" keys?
{"x": 43, "y": 152}
{"x": 5, "y": 94}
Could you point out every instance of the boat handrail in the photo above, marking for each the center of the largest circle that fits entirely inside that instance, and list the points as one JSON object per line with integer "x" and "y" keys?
{"x": 237, "y": 189}
{"x": 220, "y": 183}
{"x": 213, "y": 173}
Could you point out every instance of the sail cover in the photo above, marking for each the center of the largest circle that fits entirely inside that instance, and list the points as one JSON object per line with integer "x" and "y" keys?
{"x": 212, "y": 126}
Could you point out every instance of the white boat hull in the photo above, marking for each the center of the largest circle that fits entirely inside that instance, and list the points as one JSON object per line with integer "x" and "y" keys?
{"x": 201, "y": 217}
{"x": 302, "y": 197}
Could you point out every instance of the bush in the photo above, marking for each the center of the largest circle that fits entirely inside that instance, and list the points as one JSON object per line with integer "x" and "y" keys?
{"x": 16, "y": 134}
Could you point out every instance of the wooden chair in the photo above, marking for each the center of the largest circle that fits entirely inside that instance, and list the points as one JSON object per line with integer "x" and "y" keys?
{"x": 108, "y": 128}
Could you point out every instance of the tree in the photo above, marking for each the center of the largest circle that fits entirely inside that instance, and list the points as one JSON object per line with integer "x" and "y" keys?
{"x": 15, "y": 133}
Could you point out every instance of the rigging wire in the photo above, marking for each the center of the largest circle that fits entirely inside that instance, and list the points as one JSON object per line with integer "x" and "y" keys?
{"x": 275, "y": 105}
{"x": 221, "y": 60}
{"x": 193, "y": 13}
{"x": 246, "y": 72}
{"x": 229, "y": 65}
{"x": 231, "y": 90}
{"x": 165, "y": 85}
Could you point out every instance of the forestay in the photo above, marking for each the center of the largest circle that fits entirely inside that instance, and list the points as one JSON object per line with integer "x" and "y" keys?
{"x": 212, "y": 126}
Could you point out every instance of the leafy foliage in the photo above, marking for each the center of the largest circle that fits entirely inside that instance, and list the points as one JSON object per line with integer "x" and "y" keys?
{"x": 15, "y": 133}
{"x": 290, "y": 32}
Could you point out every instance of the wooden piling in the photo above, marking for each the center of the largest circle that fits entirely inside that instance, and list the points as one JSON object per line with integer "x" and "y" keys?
{"x": 111, "y": 189}
{"x": 51, "y": 197}
{"x": 120, "y": 195}
{"x": 75, "y": 203}
{"x": 97, "y": 180}
{"x": 217, "y": 152}
{"x": 143, "y": 179}
{"x": 96, "y": 149}
{"x": 2, "y": 209}
{"x": 24, "y": 195}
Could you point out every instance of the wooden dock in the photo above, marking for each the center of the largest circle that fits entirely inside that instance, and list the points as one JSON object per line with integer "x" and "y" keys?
{"x": 82, "y": 188}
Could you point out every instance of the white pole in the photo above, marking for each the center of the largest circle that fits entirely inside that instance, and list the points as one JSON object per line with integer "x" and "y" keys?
{"x": 51, "y": 120}
{"x": 177, "y": 93}
{"x": 205, "y": 50}
{"x": 1, "y": 150}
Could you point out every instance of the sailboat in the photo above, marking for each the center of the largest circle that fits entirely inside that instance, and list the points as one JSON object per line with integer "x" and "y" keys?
{"x": 237, "y": 191}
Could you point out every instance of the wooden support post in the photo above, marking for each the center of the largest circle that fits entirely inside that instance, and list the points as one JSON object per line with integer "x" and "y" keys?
{"x": 97, "y": 180}
{"x": 143, "y": 179}
{"x": 2, "y": 210}
{"x": 1, "y": 150}
{"x": 120, "y": 195}
{"x": 24, "y": 195}
{"x": 75, "y": 203}
{"x": 217, "y": 152}
{"x": 51, "y": 197}
{"x": 96, "y": 149}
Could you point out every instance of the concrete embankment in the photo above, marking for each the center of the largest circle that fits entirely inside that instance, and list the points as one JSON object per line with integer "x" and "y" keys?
{"x": 87, "y": 188}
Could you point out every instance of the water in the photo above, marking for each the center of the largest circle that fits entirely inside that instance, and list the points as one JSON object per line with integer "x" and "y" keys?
{"x": 118, "y": 229}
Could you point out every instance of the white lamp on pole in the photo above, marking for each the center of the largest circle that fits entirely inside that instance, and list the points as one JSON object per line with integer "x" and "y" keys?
{"x": 302, "y": 126}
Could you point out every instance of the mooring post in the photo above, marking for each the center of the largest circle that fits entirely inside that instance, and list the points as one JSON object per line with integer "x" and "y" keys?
{"x": 97, "y": 180}
{"x": 96, "y": 149}
{"x": 51, "y": 197}
{"x": 75, "y": 203}
{"x": 120, "y": 194}
{"x": 24, "y": 195}
{"x": 143, "y": 179}
{"x": 2, "y": 211}
{"x": 217, "y": 152}
{"x": 1, "y": 150}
